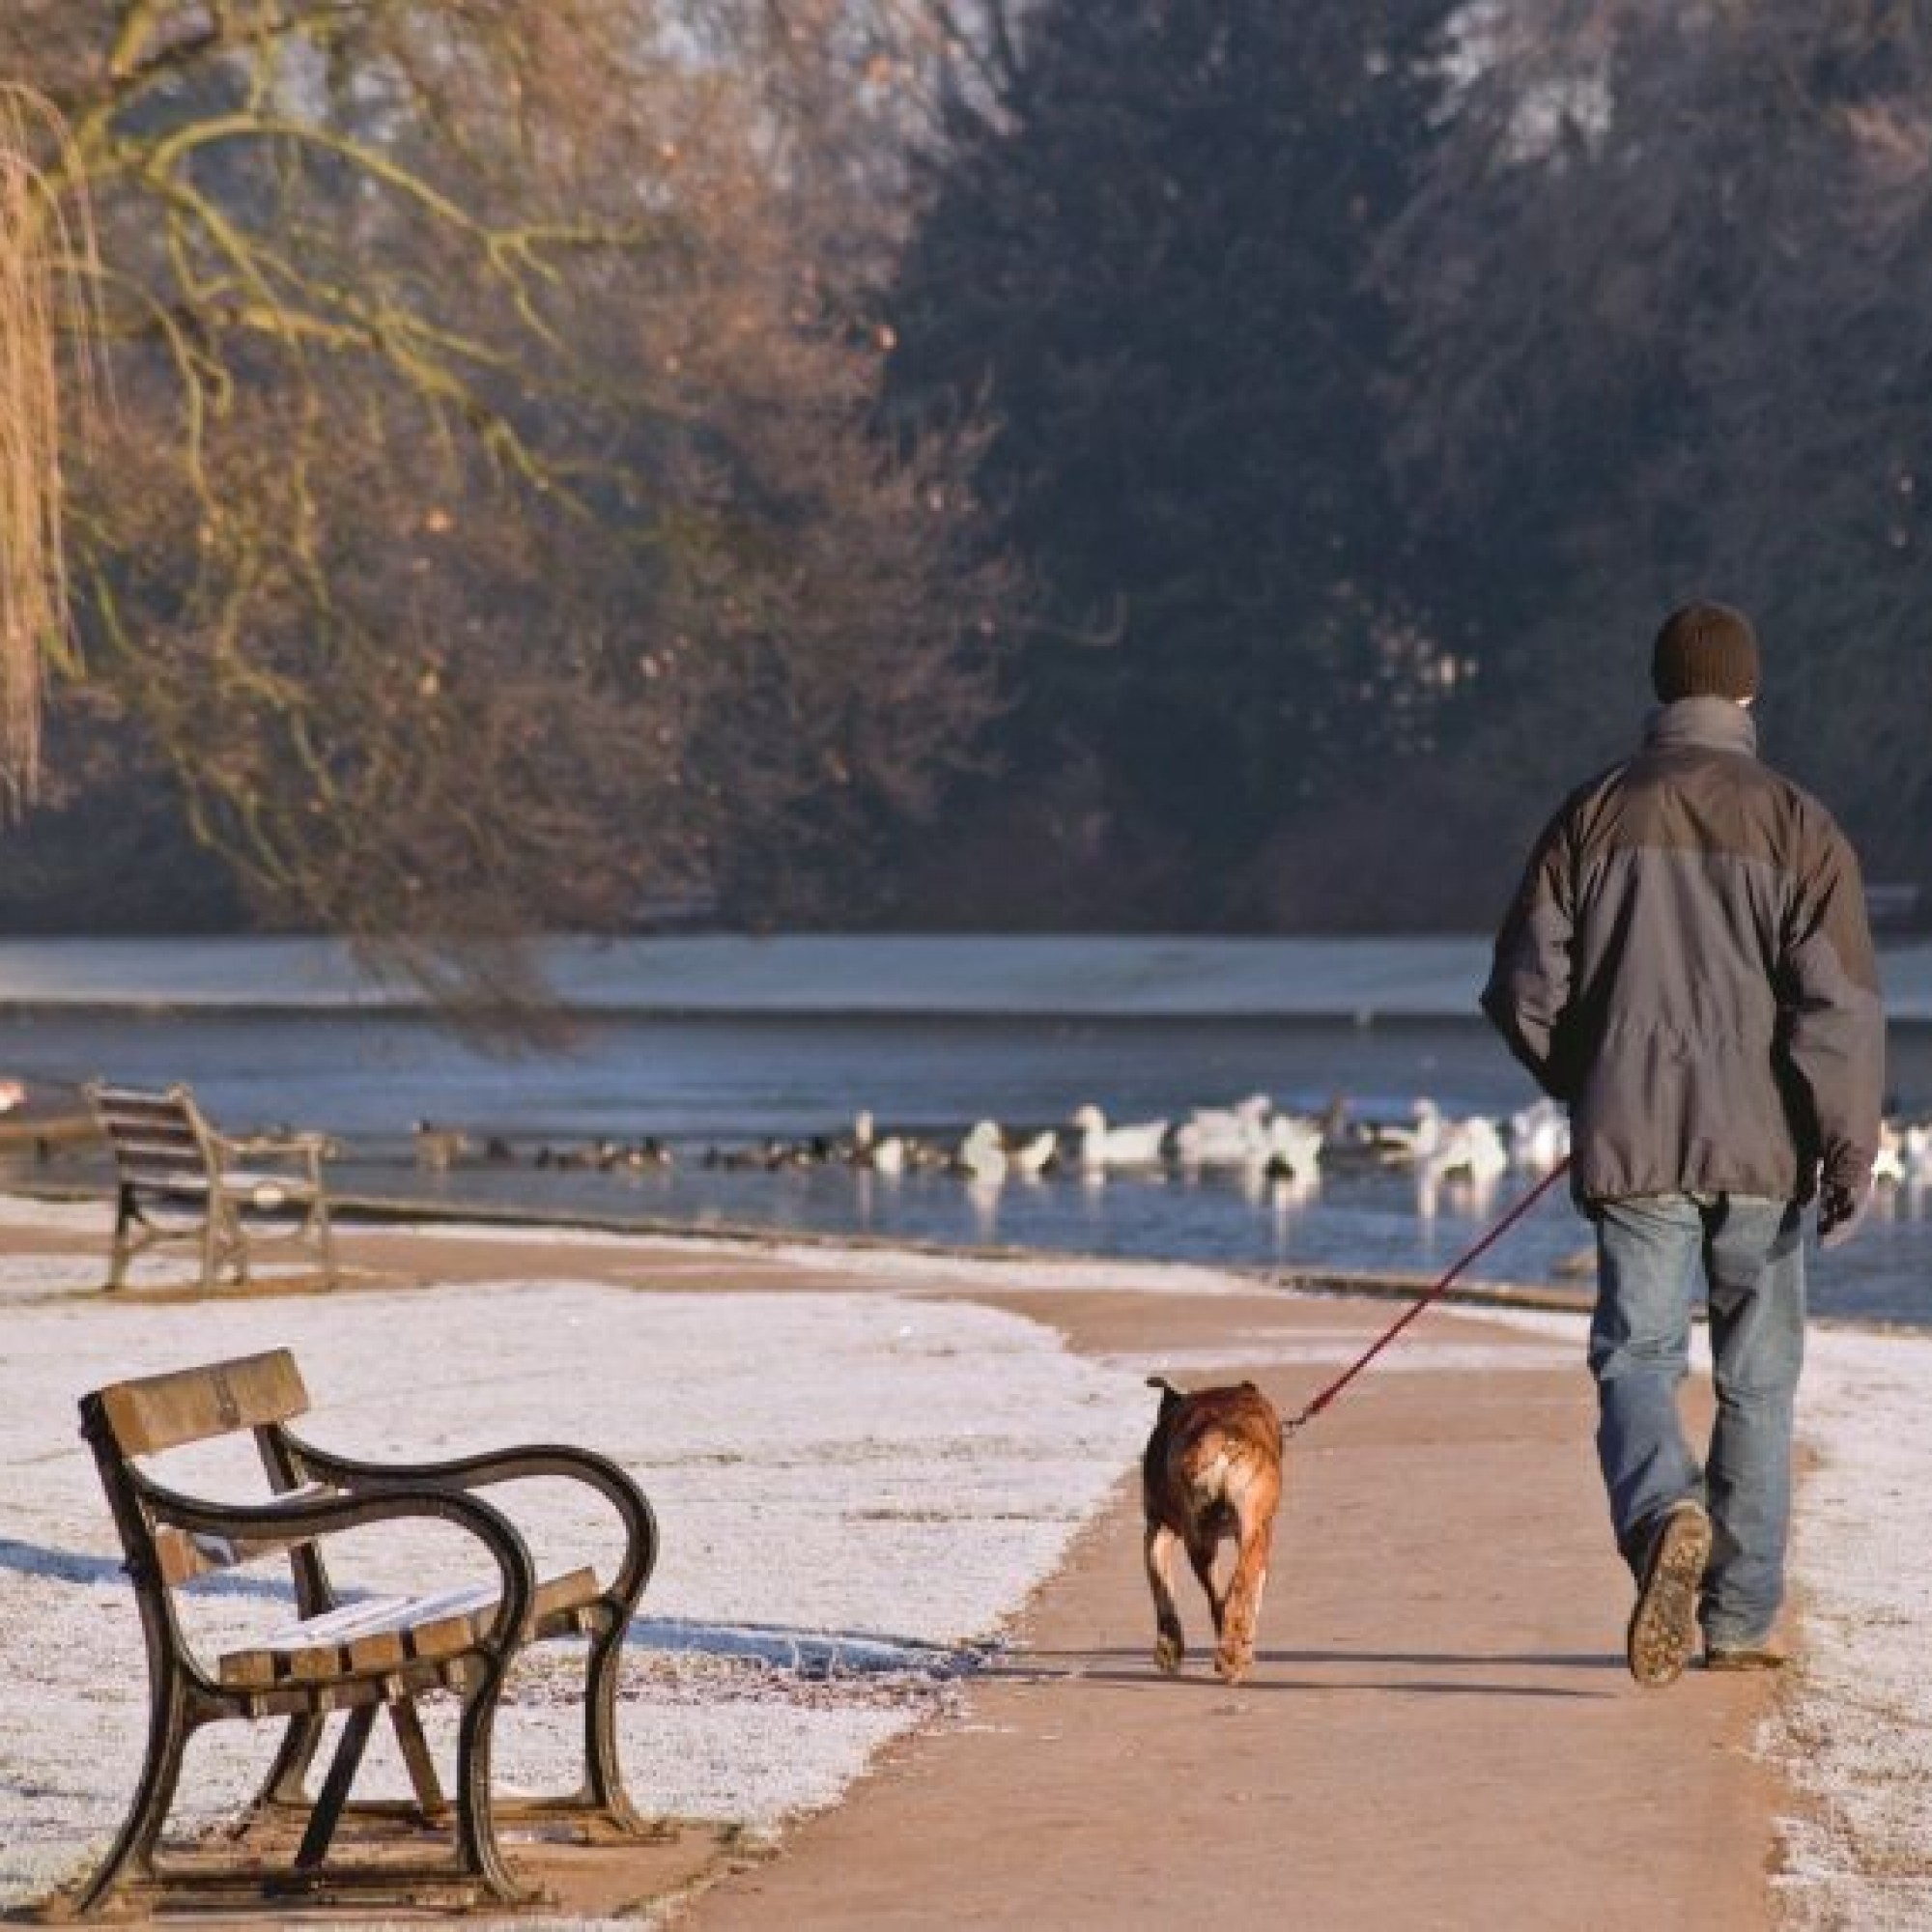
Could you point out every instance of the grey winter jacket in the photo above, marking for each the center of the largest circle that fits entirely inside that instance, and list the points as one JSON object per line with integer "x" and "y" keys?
{"x": 1689, "y": 966}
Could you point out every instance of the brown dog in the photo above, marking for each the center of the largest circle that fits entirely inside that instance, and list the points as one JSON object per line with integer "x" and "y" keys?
{"x": 1213, "y": 1470}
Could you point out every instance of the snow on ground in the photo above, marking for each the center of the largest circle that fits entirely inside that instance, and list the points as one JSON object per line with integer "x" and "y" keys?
{"x": 74, "y": 1274}
{"x": 1855, "y": 1733}
{"x": 57, "y": 1217}
{"x": 843, "y": 1480}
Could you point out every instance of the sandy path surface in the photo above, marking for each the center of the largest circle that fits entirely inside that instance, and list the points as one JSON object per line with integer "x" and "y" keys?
{"x": 1439, "y": 1731}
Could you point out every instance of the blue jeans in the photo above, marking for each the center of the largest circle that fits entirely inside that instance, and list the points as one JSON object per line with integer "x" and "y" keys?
{"x": 1751, "y": 1253}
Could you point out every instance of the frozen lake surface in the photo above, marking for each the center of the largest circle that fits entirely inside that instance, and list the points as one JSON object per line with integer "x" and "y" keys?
{"x": 1151, "y": 977}
{"x": 701, "y": 1082}
{"x": 1166, "y": 978}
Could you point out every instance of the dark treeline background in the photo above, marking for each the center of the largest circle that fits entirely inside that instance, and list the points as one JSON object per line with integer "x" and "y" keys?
{"x": 1372, "y": 376}
{"x": 1122, "y": 464}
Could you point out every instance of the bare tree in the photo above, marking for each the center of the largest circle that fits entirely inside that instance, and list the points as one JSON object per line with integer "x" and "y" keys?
{"x": 492, "y": 524}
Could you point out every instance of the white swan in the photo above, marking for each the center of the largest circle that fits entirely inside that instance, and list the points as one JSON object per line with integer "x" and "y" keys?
{"x": 1471, "y": 1147}
{"x": 1233, "y": 1136}
{"x": 1036, "y": 1155}
{"x": 981, "y": 1153}
{"x": 871, "y": 1151}
{"x": 1102, "y": 1146}
{"x": 1419, "y": 1141}
{"x": 1539, "y": 1136}
{"x": 1294, "y": 1147}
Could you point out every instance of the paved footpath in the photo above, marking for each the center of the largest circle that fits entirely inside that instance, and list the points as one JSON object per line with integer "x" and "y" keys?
{"x": 1439, "y": 1731}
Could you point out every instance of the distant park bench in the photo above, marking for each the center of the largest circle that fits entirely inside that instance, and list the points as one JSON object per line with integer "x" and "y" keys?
{"x": 178, "y": 1180}
{"x": 356, "y": 1654}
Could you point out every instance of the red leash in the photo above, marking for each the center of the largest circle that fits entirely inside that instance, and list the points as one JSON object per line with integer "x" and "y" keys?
{"x": 1435, "y": 1294}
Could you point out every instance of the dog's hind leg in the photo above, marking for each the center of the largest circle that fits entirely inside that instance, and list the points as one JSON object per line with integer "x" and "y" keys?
{"x": 1236, "y": 1628}
{"x": 1170, "y": 1644}
{"x": 1201, "y": 1554}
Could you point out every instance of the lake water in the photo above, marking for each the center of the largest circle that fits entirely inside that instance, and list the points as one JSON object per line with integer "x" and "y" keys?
{"x": 700, "y": 1083}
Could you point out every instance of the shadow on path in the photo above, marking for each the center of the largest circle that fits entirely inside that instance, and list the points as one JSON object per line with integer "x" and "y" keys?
{"x": 1419, "y": 1659}
{"x": 1204, "y": 1679}
{"x": 1111, "y": 1666}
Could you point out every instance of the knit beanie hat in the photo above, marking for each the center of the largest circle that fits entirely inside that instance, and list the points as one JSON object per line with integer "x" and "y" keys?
{"x": 1705, "y": 650}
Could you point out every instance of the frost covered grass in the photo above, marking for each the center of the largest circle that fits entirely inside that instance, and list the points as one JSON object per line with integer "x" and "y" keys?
{"x": 1853, "y": 1732}
{"x": 850, "y": 1487}
{"x": 77, "y": 1217}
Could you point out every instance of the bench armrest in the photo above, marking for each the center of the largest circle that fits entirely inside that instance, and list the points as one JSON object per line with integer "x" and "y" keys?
{"x": 463, "y": 1473}
{"x": 311, "y": 1148}
{"x": 301, "y": 1518}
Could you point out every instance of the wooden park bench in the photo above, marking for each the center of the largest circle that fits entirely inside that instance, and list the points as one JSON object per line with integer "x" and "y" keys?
{"x": 363, "y": 1655}
{"x": 177, "y": 1180}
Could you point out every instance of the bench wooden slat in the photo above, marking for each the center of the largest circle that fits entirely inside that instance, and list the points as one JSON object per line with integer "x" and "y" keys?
{"x": 153, "y": 1147}
{"x": 157, "y": 1412}
{"x": 172, "y": 1129}
{"x": 126, "y": 1148}
{"x": 171, "y": 1180}
{"x": 167, "y": 1112}
{"x": 182, "y": 1180}
{"x": 249, "y": 1191}
{"x": 292, "y": 1698}
{"x": 385, "y": 1634}
{"x": 122, "y": 1128}
{"x": 142, "y": 1106}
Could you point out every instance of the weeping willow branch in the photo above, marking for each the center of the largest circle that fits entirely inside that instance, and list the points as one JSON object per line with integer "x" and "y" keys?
{"x": 45, "y": 272}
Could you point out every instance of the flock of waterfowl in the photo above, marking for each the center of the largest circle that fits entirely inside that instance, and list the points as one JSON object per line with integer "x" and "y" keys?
{"x": 440, "y": 1147}
{"x": 1252, "y": 1136}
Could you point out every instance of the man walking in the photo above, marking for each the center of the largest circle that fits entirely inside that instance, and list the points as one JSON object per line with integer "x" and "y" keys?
{"x": 1687, "y": 966}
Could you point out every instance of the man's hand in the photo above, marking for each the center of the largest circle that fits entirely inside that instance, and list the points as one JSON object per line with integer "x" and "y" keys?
{"x": 1840, "y": 1209}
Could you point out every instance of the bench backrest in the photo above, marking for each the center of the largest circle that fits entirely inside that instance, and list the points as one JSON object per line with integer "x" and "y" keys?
{"x": 156, "y": 1139}
{"x": 155, "y": 1413}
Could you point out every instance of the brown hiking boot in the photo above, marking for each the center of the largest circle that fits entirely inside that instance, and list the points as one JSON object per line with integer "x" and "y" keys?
{"x": 1663, "y": 1633}
{"x": 1766, "y": 1656}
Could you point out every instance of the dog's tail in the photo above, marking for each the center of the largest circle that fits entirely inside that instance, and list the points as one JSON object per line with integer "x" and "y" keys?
{"x": 1168, "y": 1394}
